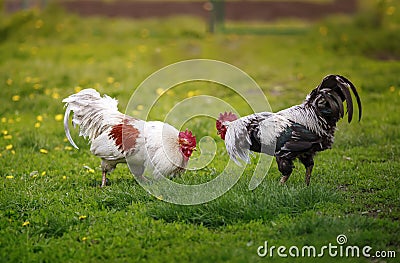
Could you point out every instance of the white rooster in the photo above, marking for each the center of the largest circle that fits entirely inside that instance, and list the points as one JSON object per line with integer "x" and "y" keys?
{"x": 115, "y": 137}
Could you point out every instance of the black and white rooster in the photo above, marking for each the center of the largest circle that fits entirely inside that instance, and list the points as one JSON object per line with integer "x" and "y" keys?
{"x": 297, "y": 132}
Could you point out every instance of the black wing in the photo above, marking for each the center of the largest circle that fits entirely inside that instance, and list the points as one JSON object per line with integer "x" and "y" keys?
{"x": 297, "y": 139}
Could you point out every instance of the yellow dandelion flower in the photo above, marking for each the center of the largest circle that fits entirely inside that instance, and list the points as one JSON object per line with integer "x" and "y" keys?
{"x": 3, "y": 120}
{"x": 300, "y": 76}
{"x": 81, "y": 217}
{"x": 323, "y": 30}
{"x": 77, "y": 89}
{"x": 26, "y": 223}
{"x": 59, "y": 117}
{"x": 392, "y": 88}
{"x": 15, "y": 98}
{"x": 37, "y": 124}
{"x": 129, "y": 64}
{"x": 91, "y": 60}
{"x": 39, "y": 118}
{"x": 140, "y": 107}
{"x": 170, "y": 92}
{"x": 37, "y": 86}
{"x": 34, "y": 50}
{"x": 4, "y": 132}
{"x": 7, "y": 137}
{"x": 68, "y": 148}
{"x": 12, "y": 152}
{"x": 90, "y": 171}
{"x": 65, "y": 140}
{"x": 84, "y": 239}
{"x": 390, "y": 11}
{"x": 43, "y": 173}
{"x": 159, "y": 91}
{"x": 144, "y": 33}
{"x": 9, "y": 147}
{"x": 55, "y": 95}
{"x": 1, "y": 155}
{"x": 9, "y": 82}
{"x": 110, "y": 80}
{"x": 59, "y": 27}
{"x": 43, "y": 151}
{"x": 39, "y": 24}
{"x": 142, "y": 48}
{"x": 117, "y": 85}
{"x": 191, "y": 93}
{"x": 9, "y": 177}
{"x": 64, "y": 177}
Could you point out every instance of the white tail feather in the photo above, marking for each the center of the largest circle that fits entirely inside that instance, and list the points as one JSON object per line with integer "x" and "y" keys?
{"x": 92, "y": 113}
{"x": 237, "y": 141}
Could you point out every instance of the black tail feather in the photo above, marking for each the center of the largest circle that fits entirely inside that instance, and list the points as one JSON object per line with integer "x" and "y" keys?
{"x": 335, "y": 90}
{"x": 353, "y": 88}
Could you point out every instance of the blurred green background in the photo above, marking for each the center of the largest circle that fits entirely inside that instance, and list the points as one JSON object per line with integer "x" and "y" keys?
{"x": 51, "y": 209}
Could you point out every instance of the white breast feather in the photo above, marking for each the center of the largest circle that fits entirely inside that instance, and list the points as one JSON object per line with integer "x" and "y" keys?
{"x": 163, "y": 149}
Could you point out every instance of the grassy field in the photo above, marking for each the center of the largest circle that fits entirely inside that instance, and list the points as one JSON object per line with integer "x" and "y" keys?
{"x": 52, "y": 210}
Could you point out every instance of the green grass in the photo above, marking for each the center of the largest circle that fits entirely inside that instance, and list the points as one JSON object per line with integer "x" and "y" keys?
{"x": 52, "y": 210}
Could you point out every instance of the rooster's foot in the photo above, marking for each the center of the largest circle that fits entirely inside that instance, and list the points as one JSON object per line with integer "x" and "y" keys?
{"x": 284, "y": 179}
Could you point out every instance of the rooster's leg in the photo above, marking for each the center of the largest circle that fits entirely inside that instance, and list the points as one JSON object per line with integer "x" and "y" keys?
{"x": 285, "y": 166}
{"x": 104, "y": 178}
{"x": 107, "y": 166}
{"x": 308, "y": 162}
{"x": 308, "y": 174}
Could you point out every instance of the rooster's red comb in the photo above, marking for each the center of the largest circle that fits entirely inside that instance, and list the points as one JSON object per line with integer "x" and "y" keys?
{"x": 227, "y": 116}
{"x": 188, "y": 135}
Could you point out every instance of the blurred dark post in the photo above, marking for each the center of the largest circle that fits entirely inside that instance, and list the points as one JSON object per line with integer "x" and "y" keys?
{"x": 26, "y": 4}
{"x": 217, "y": 15}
